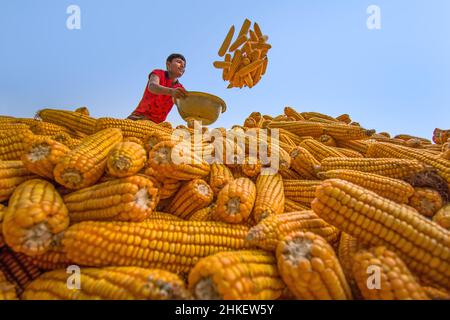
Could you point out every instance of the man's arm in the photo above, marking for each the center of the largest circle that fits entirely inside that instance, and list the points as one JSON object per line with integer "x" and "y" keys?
{"x": 155, "y": 88}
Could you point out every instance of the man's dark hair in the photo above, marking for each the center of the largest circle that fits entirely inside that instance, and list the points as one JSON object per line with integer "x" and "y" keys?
{"x": 175, "y": 56}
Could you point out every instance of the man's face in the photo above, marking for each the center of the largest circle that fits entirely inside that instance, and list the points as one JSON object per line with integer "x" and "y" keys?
{"x": 177, "y": 67}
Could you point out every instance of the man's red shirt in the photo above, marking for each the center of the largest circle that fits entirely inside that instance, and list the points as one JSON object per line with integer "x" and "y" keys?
{"x": 156, "y": 107}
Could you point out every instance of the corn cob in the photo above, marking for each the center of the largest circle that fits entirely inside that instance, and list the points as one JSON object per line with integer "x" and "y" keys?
{"x": 235, "y": 201}
{"x": 304, "y": 162}
{"x": 300, "y": 128}
{"x": 300, "y": 190}
{"x": 395, "y": 281}
{"x": 290, "y": 175}
{"x": 48, "y": 128}
{"x": 7, "y": 289}
{"x": 170, "y": 160}
{"x": 130, "y": 128}
{"x": 226, "y": 43}
{"x": 156, "y": 137}
{"x": 393, "y": 189}
{"x": 420, "y": 243}
{"x": 84, "y": 165}
{"x": 42, "y": 154}
{"x": 273, "y": 229}
{"x": 342, "y": 131}
{"x": 127, "y": 199}
{"x": 135, "y": 140}
{"x": 219, "y": 177}
{"x": 170, "y": 245}
{"x": 322, "y": 120}
{"x": 308, "y": 115}
{"x": 113, "y": 283}
{"x": 436, "y": 294}
{"x": 12, "y": 174}
{"x": 360, "y": 146}
{"x": 310, "y": 268}
{"x": 441, "y": 136}
{"x": 69, "y": 119}
{"x": 83, "y": 110}
{"x": 409, "y": 137}
{"x": 126, "y": 159}
{"x": 344, "y": 118}
{"x": 193, "y": 196}
{"x": 381, "y": 149}
{"x": 35, "y": 216}
{"x": 442, "y": 217}
{"x": 17, "y": 268}
{"x": 2, "y": 214}
{"x": 348, "y": 152}
{"x": 251, "y": 167}
{"x": 204, "y": 214}
{"x": 236, "y": 275}
{"x": 269, "y": 196}
{"x": 292, "y": 206}
{"x": 67, "y": 140}
{"x": 393, "y": 168}
{"x": 13, "y": 143}
{"x": 291, "y": 112}
{"x": 319, "y": 150}
{"x": 327, "y": 140}
{"x": 163, "y": 216}
{"x": 5, "y": 127}
{"x": 426, "y": 201}
{"x": 168, "y": 187}
{"x": 51, "y": 260}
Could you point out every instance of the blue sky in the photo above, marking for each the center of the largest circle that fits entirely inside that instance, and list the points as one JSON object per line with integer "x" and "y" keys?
{"x": 324, "y": 58}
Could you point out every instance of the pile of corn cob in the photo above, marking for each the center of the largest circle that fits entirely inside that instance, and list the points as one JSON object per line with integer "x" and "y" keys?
{"x": 351, "y": 214}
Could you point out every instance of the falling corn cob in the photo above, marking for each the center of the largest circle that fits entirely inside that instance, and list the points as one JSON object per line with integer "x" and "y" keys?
{"x": 420, "y": 243}
{"x": 442, "y": 217}
{"x": 42, "y": 154}
{"x": 126, "y": 159}
{"x": 235, "y": 201}
{"x": 394, "y": 280}
{"x": 426, "y": 201}
{"x": 393, "y": 168}
{"x": 13, "y": 143}
{"x": 12, "y": 174}
{"x": 226, "y": 43}
{"x": 193, "y": 196}
{"x": 84, "y": 165}
{"x": 177, "y": 162}
{"x": 69, "y": 119}
{"x": 304, "y": 162}
{"x": 310, "y": 268}
{"x": 393, "y": 189}
{"x": 112, "y": 283}
{"x": 381, "y": 149}
{"x": 17, "y": 268}
{"x": 170, "y": 245}
{"x": 269, "y": 196}
{"x": 319, "y": 150}
{"x": 7, "y": 289}
{"x": 300, "y": 128}
{"x": 292, "y": 206}
{"x": 302, "y": 191}
{"x": 236, "y": 275}
{"x": 127, "y": 199}
{"x": 220, "y": 176}
{"x": 273, "y": 229}
{"x": 35, "y": 217}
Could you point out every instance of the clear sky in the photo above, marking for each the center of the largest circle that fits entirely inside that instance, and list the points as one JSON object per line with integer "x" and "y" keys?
{"x": 324, "y": 58}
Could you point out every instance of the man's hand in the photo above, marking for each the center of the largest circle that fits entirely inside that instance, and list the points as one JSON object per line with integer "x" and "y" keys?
{"x": 178, "y": 93}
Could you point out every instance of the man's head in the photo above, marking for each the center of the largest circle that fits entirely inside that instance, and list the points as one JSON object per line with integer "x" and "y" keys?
{"x": 176, "y": 64}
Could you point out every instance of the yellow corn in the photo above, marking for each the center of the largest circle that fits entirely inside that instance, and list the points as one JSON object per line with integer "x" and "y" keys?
{"x": 226, "y": 43}
{"x": 292, "y": 206}
{"x": 84, "y": 165}
{"x": 73, "y": 120}
{"x": 426, "y": 201}
{"x": 442, "y": 217}
{"x": 48, "y": 128}
{"x": 113, "y": 283}
{"x": 235, "y": 201}
{"x": 395, "y": 280}
{"x": 273, "y": 229}
{"x": 236, "y": 275}
{"x": 344, "y": 118}
{"x": 220, "y": 176}
{"x": 7, "y": 289}
{"x": 393, "y": 168}
{"x": 35, "y": 216}
{"x": 170, "y": 245}
{"x": 349, "y": 153}
{"x": 251, "y": 167}
{"x": 2, "y": 214}
{"x": 360, "y": 146}
{"x": 127, "y": 199}
{"x": 342, "y": 131}
{"x": 300, "y": 128}
{"x": 327, "y": 140}
{"x": 291, "y": 112}
{"x": 308, "y": 115}
{"x": 393, "y": 189}
{"x": 126, "y": 159}
{"x": 15, "y": 126}
{"x": 235, "y": 62}
{"x": 168, "y": 187}
{"x": 42, "y": 154}
{"x": 304, "y": 162}
{"x": 53, "y": 259}
{"x": 204, "y": 214}
{"x": 193, "y": 196}
{"x": 319, "y": 150}
{"x": 436, "y": 293}
{"x": 310, "y": 268}
{"x": 302, "y": 191}
{"x": 420, "y": 243}
{"x": 130, "y": 128}
{"x": 269, "y": 196}
{"x": 13, "y": 143}
{"x": 66, "y": 140}
{"x": 12, "y": 174}
{"x": 290, "y": 175}
{"x": 245, "y": 27}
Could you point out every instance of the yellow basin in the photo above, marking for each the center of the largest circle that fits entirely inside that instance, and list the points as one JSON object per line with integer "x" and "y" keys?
{"x": 200, "y": 106}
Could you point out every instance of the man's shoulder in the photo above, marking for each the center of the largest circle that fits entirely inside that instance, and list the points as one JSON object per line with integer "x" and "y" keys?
{"x": 159, "y": 72}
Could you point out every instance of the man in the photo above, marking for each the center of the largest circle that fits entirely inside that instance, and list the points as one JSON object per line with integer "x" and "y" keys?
{"x": 162, "y": 89}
